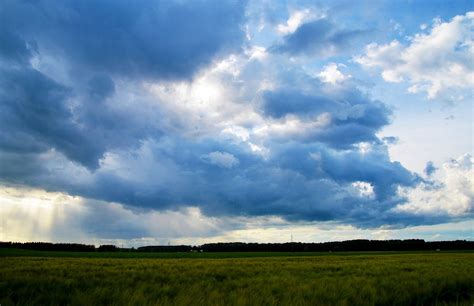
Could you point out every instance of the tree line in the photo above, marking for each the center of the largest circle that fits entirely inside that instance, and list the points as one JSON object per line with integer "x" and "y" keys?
{"x": 335, "y": 246}
{"x": 342, "y": 246}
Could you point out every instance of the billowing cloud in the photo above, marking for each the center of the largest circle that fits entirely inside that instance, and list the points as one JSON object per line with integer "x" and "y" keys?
{"x": 432, "y": 62}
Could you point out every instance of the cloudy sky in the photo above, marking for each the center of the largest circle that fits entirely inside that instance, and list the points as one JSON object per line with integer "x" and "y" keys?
{"x": 148, "y": 122}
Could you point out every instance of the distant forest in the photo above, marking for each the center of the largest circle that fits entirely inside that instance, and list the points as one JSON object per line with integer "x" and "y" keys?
{"x": 337, "y": 246}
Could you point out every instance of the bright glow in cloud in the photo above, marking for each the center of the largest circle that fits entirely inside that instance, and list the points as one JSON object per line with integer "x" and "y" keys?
{"x": 257, "y": 53}
{"x": 293, "y": 127}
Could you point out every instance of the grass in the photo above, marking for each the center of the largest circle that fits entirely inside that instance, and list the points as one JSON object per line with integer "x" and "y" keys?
{"x": 263, "y": 279}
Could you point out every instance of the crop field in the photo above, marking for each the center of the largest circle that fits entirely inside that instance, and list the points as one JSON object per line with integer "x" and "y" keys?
{"x": 430, "y": 278}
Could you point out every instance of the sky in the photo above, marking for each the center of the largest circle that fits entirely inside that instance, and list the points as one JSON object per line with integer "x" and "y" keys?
{"x": 185, "y": 122}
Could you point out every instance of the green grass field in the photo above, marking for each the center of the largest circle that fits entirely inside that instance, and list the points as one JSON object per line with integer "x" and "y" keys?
{"x": 38, "y": 278}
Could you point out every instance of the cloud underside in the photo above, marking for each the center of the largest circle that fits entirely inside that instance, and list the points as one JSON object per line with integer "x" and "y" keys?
{"x": 125, "y": 103}
{"x": 66, "y": 218}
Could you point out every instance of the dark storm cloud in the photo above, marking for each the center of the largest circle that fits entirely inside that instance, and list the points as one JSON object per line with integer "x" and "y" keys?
{"x": 35, "y": 114}
{"x": 152, "y": 39}
{"x": 96, "y": 41}
{"x": 38, "y": 114}
{"x": 319, "y": 37}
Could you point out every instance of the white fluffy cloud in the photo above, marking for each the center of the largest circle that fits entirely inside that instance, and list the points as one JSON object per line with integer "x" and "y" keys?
{"x": 454, "y": 197}
{"x": 331, "y": 74}
{"x": 432, "y": 62}
{"x": 294, "y": 21}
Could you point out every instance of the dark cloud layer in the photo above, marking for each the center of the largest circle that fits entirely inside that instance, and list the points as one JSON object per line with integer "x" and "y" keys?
{"x": 36, "y": 115}
{"x": 99, "y": 40}
{"x": 298, "y": 181}
{"x": 319, "y": 37}
{"x": 157, "y": 39}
